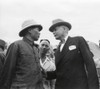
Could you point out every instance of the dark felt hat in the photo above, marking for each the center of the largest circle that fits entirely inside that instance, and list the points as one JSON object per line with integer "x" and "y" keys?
{"x": 59, "y": 22}
{"x": 27, "y": 24}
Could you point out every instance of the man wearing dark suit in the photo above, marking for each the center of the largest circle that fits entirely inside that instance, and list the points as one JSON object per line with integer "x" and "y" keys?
{"x": 75, "y": 68}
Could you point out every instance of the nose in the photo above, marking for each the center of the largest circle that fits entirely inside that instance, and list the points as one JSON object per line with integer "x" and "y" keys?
{"x": 44, "y": 46}
{"x": 53, "y": 32}
{"x": 39, "y": 33}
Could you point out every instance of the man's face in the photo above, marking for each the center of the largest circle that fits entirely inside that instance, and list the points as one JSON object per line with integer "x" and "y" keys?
{"x": 58, "y": 32}
{"x": 44, "y": 46}
{"x": 34, "y": 33}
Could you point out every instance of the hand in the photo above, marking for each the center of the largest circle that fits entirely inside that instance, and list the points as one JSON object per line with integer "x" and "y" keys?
{"x": 44, "y": 74}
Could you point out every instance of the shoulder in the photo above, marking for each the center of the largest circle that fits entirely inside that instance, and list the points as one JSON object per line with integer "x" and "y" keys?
{"x": 78, "y": 38}
{"x": 15, "y": 44}
{"x": 18, "y": 43}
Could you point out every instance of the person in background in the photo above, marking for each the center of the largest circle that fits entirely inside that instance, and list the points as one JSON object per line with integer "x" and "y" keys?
{"x": 75, "y": 68}
{"x": 2, "y": 53}
{"x": 55, "y": 48}
{"x": 47, "y": 61}
{"x": 22, "y": 66}
{"x": 99, "y": 43}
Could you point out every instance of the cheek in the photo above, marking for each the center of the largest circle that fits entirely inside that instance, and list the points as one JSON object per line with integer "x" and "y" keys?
{"x": 58, "y": 33}
{"x": 37, "y": 33}
{"x": 33, "y": 33}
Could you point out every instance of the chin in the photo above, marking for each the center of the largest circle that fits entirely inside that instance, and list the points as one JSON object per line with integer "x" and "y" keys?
{"x": 36, "y": 39}
{"x": 56, "y": 37}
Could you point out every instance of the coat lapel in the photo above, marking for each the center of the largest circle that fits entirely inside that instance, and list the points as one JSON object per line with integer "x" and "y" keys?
{"x": 65, "y": 48}
{"x": 59, "y": 55}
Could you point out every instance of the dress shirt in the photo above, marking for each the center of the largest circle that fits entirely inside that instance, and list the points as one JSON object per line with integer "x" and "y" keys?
{"x": 63, "y": 43}
{"x": 48, "y": 64}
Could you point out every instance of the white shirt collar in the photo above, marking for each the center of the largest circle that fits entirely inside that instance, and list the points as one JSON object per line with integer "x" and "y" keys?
{"x": 66, "y": 38}
{"x": 62, "y": 45}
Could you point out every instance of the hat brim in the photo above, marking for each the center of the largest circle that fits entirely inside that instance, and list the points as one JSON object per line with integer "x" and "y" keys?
{"x": 23, "y": 31}
{"x": 52, "y": 28}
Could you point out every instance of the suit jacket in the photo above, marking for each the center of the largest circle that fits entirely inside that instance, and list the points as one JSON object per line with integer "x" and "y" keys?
{"x": 75, "y": 68}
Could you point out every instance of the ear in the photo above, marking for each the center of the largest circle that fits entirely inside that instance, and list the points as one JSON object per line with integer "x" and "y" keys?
{"x": 29, "y": 30}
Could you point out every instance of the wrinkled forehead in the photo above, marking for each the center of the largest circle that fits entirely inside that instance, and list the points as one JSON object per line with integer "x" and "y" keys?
{"x": 45, "y": 43}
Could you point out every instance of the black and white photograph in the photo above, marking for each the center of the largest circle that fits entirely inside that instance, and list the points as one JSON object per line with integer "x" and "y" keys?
{"x": 49, "y": 44}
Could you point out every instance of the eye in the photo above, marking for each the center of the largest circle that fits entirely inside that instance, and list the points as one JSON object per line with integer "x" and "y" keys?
{"x": 42, "y": 45}
{"x": 55, "y": 29}
{"x": 45, "y": 45}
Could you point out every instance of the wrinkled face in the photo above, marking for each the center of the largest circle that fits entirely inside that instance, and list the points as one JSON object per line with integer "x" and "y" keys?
{"x": 44, "y": 46}
{"x": 58, "y": 32}
{"x": 34, "y": 33}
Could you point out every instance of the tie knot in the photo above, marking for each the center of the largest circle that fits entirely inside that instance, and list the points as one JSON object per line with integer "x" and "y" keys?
{"x": 62, "y": 41}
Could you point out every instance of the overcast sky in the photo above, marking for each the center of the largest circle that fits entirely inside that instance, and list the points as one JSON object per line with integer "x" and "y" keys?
{"x": 84, "y": 16}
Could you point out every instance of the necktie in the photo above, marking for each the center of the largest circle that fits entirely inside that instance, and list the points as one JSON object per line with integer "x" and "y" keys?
{"x": 59, "y": 46}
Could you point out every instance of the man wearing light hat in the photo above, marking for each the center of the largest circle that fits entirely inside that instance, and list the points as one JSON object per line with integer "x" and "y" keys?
{"x": 22, "y": 67}
{"x": 75, "y": 68}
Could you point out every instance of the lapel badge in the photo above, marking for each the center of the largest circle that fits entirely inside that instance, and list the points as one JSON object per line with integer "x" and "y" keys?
{"x": 72, "y": 47}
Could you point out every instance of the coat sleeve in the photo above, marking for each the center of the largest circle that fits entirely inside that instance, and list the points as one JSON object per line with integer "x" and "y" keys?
{"x": 93, "y": 81}
{"x": 51, "y": 75}
{"x": 9, "y": 67}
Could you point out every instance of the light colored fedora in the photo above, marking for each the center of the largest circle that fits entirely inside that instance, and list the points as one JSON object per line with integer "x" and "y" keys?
{"x": 59, "y": 22}
{"x": 27, "y": 24}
